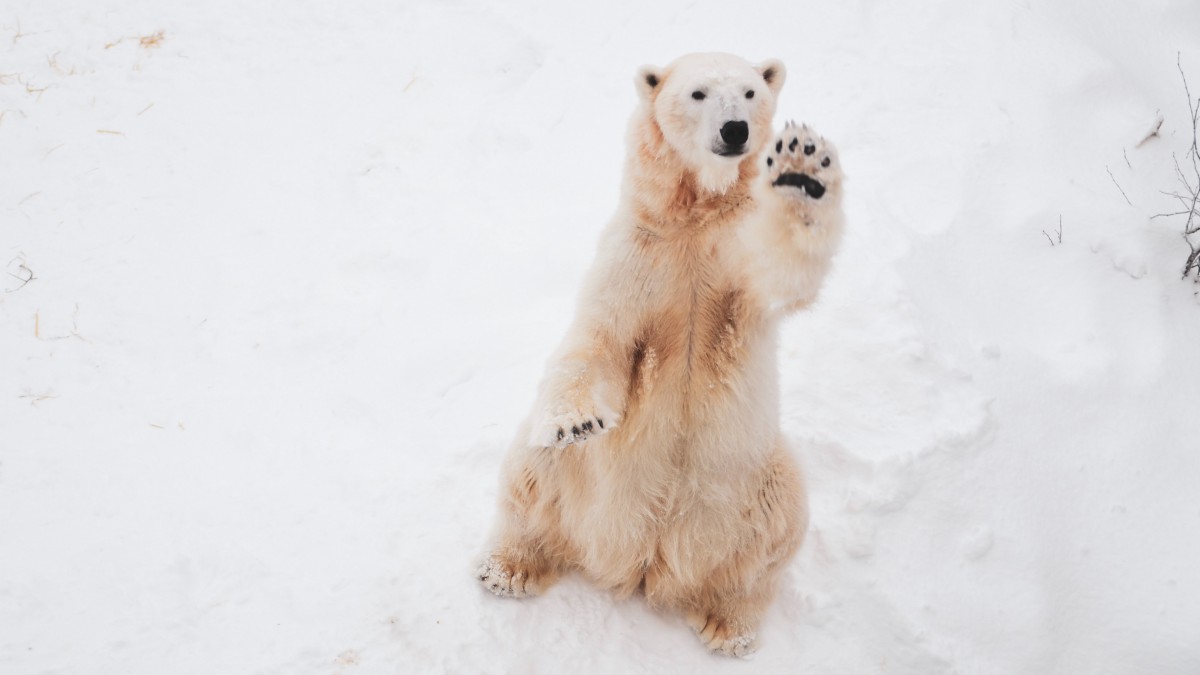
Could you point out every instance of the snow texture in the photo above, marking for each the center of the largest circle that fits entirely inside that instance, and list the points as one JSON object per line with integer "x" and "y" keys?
{"x": 281, "y": 279}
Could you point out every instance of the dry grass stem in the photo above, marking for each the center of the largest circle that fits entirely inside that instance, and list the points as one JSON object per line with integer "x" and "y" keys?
{"x": 20, "y": 33}
{"x": 35, "y": 399}
{"x": 151, "y": 41}
{"x": 145, "y": 41}
{"x": 30, "y": 89}
{"x": 56, "y": 67}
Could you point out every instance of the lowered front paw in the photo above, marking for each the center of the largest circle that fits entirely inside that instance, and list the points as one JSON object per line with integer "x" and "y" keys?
{"x": 803, "y": 168}
{"x": 562, "y": 424}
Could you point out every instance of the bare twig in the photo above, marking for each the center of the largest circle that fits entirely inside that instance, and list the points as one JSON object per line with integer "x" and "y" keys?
{"x": 1190, "y": 200}
{"x": 1058, "y": 232}
{"x": 22, "y": 274}
{"x": 1114, "y": 180}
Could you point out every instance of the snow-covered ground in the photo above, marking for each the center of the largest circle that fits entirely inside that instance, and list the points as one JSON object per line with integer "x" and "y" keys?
{"x": 296, "y": 269}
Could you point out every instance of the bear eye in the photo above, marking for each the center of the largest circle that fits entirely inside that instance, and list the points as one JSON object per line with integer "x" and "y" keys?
{"x": 750, "y": 94}
{"x": 698, "y": 95}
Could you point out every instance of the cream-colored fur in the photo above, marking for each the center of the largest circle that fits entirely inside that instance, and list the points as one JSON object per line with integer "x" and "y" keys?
{"x": 653, "y": 458}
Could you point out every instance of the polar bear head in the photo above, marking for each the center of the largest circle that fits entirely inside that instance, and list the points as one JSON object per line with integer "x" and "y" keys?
{"x": 713, "y": 110}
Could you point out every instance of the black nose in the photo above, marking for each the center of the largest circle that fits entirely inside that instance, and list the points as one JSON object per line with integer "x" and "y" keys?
{"x": 735, "y": 133}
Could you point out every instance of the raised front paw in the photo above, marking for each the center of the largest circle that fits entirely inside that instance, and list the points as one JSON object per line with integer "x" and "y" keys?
{"x": 803, "y": 167}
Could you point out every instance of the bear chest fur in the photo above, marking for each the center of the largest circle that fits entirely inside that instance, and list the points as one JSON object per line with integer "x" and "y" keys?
{"x": 697, "y": 328}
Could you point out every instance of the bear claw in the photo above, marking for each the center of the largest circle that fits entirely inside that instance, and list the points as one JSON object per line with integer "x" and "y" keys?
{"x": 570, "y": 429}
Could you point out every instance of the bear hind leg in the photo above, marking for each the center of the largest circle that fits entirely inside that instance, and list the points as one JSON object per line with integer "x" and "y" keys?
{"x": 727, "y": 612}
{"x": 531, "y": 551}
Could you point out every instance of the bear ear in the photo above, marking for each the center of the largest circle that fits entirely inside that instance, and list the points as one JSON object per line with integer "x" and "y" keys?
{"x": 773, "y": 73}
{"x": 648, "y": 80}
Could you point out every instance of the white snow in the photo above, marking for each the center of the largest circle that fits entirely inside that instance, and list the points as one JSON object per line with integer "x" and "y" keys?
{"x": 297, "y": 268}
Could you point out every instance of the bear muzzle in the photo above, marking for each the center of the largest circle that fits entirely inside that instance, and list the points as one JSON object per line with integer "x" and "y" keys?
{"x": 734, "y": 135}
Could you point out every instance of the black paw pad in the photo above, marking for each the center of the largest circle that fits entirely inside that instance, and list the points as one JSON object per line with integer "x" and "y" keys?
{"x": 770, "y": 161}
{"x": 809, "y": 148}
{"x": 560, "y": 434}
{"x": 587, "y": 426}
{"x": 826, "y": 162}
{"x": 600, "y": 422}
{"x": 575, "y": 432}
{"x": 793, "y": 144}
{"x": 802, "y": 180}
{"x": 779, "y": 146}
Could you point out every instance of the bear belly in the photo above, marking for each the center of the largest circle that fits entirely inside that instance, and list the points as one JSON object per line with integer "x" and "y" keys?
{"x": 668, "y": 486}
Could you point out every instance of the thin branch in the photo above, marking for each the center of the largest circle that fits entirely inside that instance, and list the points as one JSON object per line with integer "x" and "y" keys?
{"x": 1182, "y": 178}
{"x": 1192, "y": 261}
{"x": 1059, "y": 232}
{"x": 1183, "y": 75}
{"x": 1190, "y": 198}
{"x": 1114, "y": 180}
{"x": 25, "y": 274}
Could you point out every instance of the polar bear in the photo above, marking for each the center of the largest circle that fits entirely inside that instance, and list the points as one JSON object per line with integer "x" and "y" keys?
{"x": 653, "y": 459}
